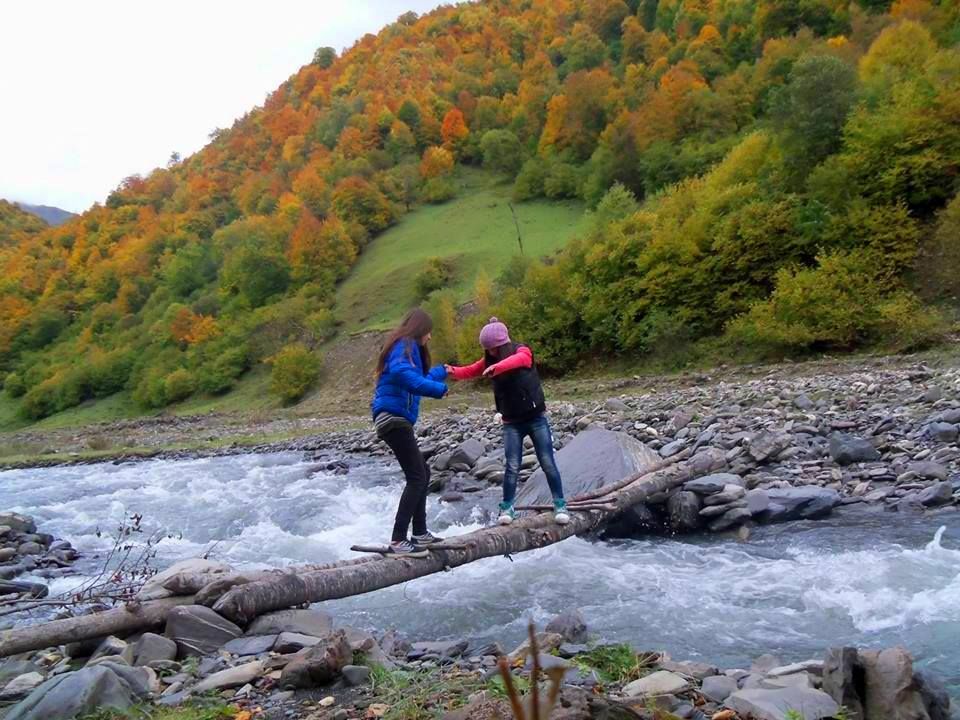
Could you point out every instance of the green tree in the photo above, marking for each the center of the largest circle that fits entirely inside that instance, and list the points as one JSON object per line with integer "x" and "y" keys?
{"x": 294, "y": 371}
{"x": 324, "y": 57}
{"x": 502, "y": 151}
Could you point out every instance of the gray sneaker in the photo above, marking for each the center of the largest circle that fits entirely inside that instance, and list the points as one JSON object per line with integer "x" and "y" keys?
{"x": 405, "y": 548}
{"x": 425, "y": 540}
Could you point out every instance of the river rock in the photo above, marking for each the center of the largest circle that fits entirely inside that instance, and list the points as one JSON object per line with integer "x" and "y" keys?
{"x": 840, "y": 680}
{"x": 762, "y": 704}
{"x": 929, "y": 470}
{"x": 20, "y": 686}
{"x": 571, "y": 625}
{"x": 767, "y": 446}
{"x": 156, "y": 587}
{"x": 672, "y": 448}
{"x": 848, "y": 449}
{"x": 936, "y": 699}
{"x": 231, "y": 677}
{"x": 306, "y": 622}
{"x": 729, "y": 494}
{"x": 758, "y": 501}
{"x": 710, "y": 484}
{"x": 444, "y": 649}
{"x": 289, "y": 642}
{"x": 593, "y": 458}
{"x": 616, "y": 405}
{"x": 29, "y": 548}
{"x": 109, "y": 647}
{"x": 937, "y": 494}
{"x": 734, "y": 516}
{"x": 319, "y": 664}
{"x": 18, "y": 523}
{"x": 7, "y": 554}
{"x": 807, "y": 502}
{"x": 251, "y": 645}
{"x": 467, "y": 453}
{"x": 718, "y": 687}
{"x": 151, "y": 648}
{"x": 354, "y": 675}
{"x": 198, "y": 630}
{"x": 661, "y": 682}
{"x": 943, "y": 432}
{"x": 891, "y": 690}
{"x": 683, "y": 509}
{"x": 77, "y": 693}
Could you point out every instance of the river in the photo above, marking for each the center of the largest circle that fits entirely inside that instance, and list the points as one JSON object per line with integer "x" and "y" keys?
{"x": 866, "y": 578}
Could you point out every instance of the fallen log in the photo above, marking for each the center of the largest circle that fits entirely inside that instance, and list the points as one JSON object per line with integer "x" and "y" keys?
{"x": 130, "y": 618}
{"x": 242, "y": 604}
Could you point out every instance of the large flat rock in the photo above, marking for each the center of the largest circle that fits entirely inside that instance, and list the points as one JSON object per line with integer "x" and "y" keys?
{"x": 593, "y": 458}
{"x": 781, "y": 704}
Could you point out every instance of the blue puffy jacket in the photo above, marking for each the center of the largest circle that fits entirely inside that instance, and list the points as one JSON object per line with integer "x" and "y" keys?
{"x": 404, "y": 380}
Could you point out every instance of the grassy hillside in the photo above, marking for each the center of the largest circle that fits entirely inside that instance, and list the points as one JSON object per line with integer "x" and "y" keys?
{"x": 475, "y": 230}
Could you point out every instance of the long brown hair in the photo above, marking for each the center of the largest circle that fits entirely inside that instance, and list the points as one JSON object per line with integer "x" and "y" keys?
{"x": 415, "y": 325}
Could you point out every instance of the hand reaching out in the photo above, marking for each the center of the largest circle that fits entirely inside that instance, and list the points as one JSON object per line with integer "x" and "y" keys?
{"x": 489, "y": 371}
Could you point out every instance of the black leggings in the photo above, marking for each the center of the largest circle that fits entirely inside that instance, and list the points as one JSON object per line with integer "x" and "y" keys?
{"x": 413, "y": 501}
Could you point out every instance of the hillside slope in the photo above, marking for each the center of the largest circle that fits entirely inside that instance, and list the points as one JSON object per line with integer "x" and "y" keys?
{"x": 751, "y": 162}
{"x": 17, "y": 224}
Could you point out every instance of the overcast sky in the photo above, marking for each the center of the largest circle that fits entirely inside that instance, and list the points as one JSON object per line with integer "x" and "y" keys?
{"x": 92, "y": 91}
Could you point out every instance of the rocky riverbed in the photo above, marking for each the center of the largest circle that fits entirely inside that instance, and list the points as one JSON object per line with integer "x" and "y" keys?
{"x": 301, "y": 664}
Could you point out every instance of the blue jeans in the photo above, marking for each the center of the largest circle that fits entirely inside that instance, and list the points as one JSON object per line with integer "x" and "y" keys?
{"x": 539, "y": 431}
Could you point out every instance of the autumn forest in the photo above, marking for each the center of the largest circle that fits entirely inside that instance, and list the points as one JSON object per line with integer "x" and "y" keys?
{"x": 766, "y": 178}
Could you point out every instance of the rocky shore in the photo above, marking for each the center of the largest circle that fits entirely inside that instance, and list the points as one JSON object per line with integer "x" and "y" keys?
{"x": 24, "y": 550}
{"x": 299, "y": 664}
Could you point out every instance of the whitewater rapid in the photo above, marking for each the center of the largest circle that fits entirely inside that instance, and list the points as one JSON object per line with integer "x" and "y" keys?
{"x": 866, "y": 579}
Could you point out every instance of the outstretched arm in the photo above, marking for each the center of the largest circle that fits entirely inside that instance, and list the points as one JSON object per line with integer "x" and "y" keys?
{"x": 522, "y": 358}
{"x": 415, "y": 382}
{"x": 466, "y": 372}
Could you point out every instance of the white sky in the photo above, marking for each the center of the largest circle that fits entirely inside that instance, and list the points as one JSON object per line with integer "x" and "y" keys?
{"x": 92, "y": 91}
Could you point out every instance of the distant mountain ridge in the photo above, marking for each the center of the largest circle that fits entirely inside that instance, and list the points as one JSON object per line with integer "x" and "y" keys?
{"x": 51, "y": 215}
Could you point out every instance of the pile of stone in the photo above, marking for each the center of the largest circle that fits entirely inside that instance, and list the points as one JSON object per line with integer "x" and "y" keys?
{"x": 24, "y": 550}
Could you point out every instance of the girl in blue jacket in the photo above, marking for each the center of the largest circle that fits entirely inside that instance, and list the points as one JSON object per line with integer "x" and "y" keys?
{"x": 402, "y": 377}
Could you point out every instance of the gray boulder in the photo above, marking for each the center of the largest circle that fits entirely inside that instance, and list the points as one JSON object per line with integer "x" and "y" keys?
{"x": 929, "y": 470}
{"x": 764, "y": 704}
{"x": 806, "y": 503}
{"x": 198, "y": 630}
{"x": 593, "y": 458}
{"x": 683, "y": 509}
{"x": 936, "y": 699}
{"x": 571, "y": 625}
{"x": 840, "y": 680}
{"x": 20, "y": 686}
{"x": 231, "y": 677}
{"x": 937, "y": 494}
{"x": 710, "y": 484}
{"x": 151, "y": 648}
{"x": 891, "y": 689}
{"x": 306, "y": 622}
{"x": 943, "y": 432}
{"x": 718, "y": 687}
{"x": 767, "y": 446}
{"x": 66, "y": 696}
{"x": 354, "y": 675}
{"x": 734, "y": 516}
{"x": 467, "y": 453}
{"x": 758, "y": 501}
{"x": 848, "y": 449}
{"x": 18, "y": 523}
{"x": 289, "y": 642}
{"x": 319, "y": 664}
{"x": 252, "y": 645}
{"x": 729, "y": 494}
{"x": 443, "y": 648}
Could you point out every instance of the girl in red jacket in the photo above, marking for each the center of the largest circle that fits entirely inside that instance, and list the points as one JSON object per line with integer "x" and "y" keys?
{"x": 519, "y": 398}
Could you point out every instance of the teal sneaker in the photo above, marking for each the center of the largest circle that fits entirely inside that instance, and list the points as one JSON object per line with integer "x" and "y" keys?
{"x": 560, "y": 515}
{"x": 507, "y": 514}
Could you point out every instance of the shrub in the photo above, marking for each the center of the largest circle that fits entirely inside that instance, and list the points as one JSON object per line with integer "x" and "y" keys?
{"x": 220, "y": 371}
{"x": 905, "y": 324}
{"x": 435, "y": 275}
{"x": 529, "y": 183}
{"x": 562, "y": 180}
{"x": 438, "y": 190}
{"x": 295, "y": 369}
{"x": 14, "y": 385}
{"x": 178, "y": 385}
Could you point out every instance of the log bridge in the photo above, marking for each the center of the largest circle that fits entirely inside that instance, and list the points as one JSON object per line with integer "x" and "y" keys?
{"x": 241, "y": 597}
